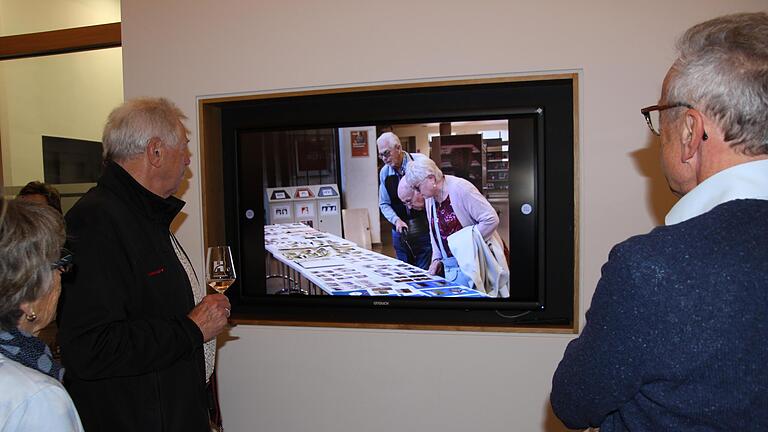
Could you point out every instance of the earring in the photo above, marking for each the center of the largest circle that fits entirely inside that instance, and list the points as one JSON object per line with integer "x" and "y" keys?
{"x": 31, "y": 316}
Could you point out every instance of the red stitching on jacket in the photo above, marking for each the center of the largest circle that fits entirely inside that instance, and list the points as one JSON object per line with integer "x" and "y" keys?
{"x": 156, "y": 272}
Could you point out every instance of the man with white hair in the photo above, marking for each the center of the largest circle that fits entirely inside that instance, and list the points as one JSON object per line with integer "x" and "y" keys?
{"x": 676, "y": 335}
{"x": 410, "y": 235}
{"x": 138, "y": 334}
{"x": 411, "y": 199}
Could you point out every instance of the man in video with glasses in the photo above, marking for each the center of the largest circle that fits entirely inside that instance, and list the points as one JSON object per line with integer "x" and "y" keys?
{"x": 410, "y": 235}
{"x": 676, "y": 335}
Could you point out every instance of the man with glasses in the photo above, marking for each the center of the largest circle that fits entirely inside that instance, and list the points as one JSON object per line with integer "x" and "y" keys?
{"x": 410, "y": 236}
{"x": 412, "y": 199}
{"x": 676, "y": 335}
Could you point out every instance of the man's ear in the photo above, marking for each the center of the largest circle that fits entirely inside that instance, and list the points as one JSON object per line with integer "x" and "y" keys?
{"x": 693, "y": 135}
{"x": 154, "y": 151}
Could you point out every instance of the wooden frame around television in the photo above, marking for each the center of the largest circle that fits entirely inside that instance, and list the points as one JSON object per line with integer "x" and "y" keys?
{"x": 210, "y": 116}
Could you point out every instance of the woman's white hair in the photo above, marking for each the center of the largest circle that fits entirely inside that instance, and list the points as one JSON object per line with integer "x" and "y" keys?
{"x": 722, "y": 70}
{"x": 421, "y": 168}
{"x": 131, "y": 125}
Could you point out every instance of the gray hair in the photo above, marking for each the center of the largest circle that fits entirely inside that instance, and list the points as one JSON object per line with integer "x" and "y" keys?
{"x": 133, "y": 124}
{"x": 31, "y": 237}
{"x": 389, "y": 139}
{"x": 421, "y": 168}
{"x": 722, "y": 69}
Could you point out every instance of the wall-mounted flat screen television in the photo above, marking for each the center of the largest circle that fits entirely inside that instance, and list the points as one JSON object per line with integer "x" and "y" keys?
{"x": 300, "y": 177}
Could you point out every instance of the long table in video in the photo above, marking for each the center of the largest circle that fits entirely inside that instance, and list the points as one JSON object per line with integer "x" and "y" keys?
{"x": 308, "y": 261}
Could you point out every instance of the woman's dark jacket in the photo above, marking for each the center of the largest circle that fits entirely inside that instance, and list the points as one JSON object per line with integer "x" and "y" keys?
{"x": 134, "y": 359}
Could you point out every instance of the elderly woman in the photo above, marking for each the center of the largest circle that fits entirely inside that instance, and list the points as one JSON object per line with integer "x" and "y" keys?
{"x": 32, "y": 397}
{"x": 453, "y": 203}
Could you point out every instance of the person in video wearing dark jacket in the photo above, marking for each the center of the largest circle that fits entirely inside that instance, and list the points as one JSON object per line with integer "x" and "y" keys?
{"x": 137, "y": 331}
{"x": 410, "y": 235}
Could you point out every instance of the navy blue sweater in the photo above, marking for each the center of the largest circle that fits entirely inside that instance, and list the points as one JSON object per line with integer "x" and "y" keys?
{"x": 677, "y": 335}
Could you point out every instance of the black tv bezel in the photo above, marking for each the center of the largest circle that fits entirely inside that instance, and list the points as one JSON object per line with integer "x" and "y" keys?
{"x": 550, "y": 100}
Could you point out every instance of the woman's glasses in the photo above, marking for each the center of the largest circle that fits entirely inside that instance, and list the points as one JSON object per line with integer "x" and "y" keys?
{"x": 63, "y": 264}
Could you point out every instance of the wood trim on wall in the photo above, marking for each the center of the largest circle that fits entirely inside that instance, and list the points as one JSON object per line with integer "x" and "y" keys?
{"x": 212, "y": 177}
{"x": 538, "y": 329}
{"x": 576, "y": 208}
{"x": 60, "y": 41}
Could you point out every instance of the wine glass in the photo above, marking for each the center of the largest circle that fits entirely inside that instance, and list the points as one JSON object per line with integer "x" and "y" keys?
{"x": 220, "y": 270}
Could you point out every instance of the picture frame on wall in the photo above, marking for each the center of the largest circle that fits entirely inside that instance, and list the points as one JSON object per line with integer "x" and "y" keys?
{"x": 359, "y": 141}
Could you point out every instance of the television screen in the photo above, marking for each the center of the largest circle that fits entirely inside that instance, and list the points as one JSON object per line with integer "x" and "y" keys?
{"x": 301, "y": 208}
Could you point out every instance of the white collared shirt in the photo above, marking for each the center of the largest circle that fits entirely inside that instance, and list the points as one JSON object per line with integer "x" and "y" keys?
{"x": 744, "y": 181}
{"x": 33, "y": 401}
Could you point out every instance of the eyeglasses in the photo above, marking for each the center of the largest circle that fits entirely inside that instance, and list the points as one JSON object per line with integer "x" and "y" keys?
{"x": 388, "y": 153}
{"x": 652, "y": 115}
{"x": 63, "y": 264}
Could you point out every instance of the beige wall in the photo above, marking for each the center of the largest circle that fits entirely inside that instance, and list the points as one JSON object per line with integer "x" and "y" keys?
{"x": 302, "y": 379}
{"x": 30, "y": 16}
{"x": 68, "y": 95}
